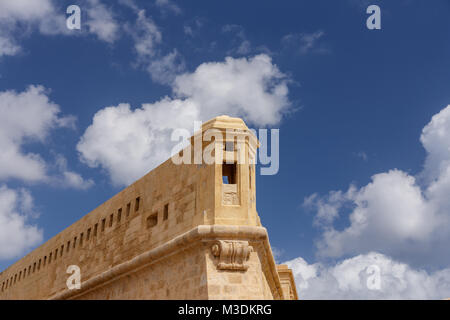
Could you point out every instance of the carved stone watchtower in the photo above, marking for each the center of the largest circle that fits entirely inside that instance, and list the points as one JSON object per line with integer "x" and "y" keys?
{"x": 188, "y": 229}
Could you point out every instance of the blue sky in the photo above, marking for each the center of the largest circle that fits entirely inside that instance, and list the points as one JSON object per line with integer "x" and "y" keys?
{"x": 358, "y": 101}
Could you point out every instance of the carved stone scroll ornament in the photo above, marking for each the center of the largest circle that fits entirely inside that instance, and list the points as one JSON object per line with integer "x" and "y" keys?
{"x": 232, "y": 255}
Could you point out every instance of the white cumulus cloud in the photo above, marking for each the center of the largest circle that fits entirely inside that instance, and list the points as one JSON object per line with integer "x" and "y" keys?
{"x": 101, "y": 21}
{"x": 147, "y": 37}
{"x": 251, "y": 88}
{"x": 16, "y": 234}
{"x": 357, "y": 278}
{"x": 19, "y": 18}
{"x": 129, "y": 142}
{"x": 26, "y": 116}
{"x": 404, "y": 216}
{"x": 29, "y": 117}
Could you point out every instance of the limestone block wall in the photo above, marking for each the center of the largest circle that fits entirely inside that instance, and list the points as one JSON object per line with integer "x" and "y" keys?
{"x": 208, "y": 262}
{"x": 178, "y": 276}
{"x": 256, "y": 282}
{"x": 166, "y": 202}
{"x": 178, "y": 232}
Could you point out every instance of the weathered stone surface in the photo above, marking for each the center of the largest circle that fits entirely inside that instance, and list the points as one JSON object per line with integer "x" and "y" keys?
{"x": 177, "y": 233}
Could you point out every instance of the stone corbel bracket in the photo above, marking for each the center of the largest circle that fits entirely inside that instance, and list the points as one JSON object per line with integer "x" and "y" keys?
{"x": 232, "y": 254}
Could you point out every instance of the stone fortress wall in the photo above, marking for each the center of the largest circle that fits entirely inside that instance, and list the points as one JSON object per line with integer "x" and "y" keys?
{"x": 179, "y": 232}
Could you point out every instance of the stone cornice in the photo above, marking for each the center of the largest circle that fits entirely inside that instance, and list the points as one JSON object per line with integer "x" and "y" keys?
{"x": 199, "y": 233}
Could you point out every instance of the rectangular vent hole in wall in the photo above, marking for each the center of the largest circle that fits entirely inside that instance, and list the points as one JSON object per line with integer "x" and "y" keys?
{"x": 152, "y": 220}
{"x": 166, "y": 211}
{"x": 128, "y": 209}
{"x": 136, "y": 206}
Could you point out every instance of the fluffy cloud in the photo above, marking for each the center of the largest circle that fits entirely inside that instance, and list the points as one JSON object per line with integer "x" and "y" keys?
{"x": 18, "y": 18}
{"x": 15, "y": 10}
{"x": 163, "y": 68}
{"x": 27, "y": 117}
{"x": 398, "y": 214}
{"x": 355, "y": 278}
{"x": 241, "y": 43}
{"x": 127, "y": 143}
{"x": 66, "y": 178}
{"x": 7, "y": 46}
{"x": 101, "y": 21}
{"x": 146, "y": 36}
{"x": 251, "y": 88}
{"x": 16, "y": 235}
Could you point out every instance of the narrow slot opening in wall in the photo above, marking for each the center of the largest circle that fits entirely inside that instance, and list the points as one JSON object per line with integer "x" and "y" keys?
{"x": 56, "y": 254}
{"x": 128, "y": 209}
{"x": 34, "y": 267}
{"x": 68, "y": 246}
{"x": 81, "y": 239}
{"x": 88, "y": 236}
{"x": 119, "y": 215}
{"x": 62, "y": 250}
{"x": 111, "y": 220}
{"x": 103, "y": 224}
{"x": 74, "y": 242}
{"x": 166, "y": 211}
{"x": 229, "y": 173}
{"x": 50, "y": 258}
{"x": 45, "y": 261}
{"x": 136, "y": 206}
{"x": 95, "y": 229}
{"x": 152, "y": 220}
